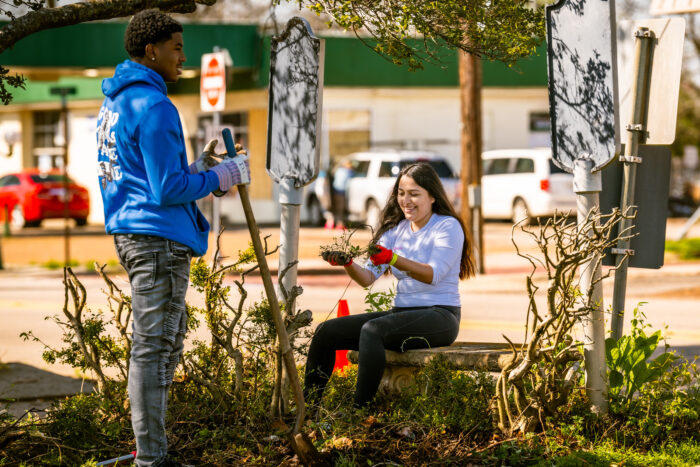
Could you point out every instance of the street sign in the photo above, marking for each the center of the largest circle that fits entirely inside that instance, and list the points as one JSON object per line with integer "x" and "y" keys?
{"x": 212, "y": 88}
{"x": 673, "y": 7}
{"x": 296, "y": 90}
{"x": 651, "y": 199}
{"x": 582, "y": 82}
{"x": 664, "y": 84}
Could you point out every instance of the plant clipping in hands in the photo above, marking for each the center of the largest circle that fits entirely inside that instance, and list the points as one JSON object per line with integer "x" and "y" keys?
{"x": 346, "y": 249}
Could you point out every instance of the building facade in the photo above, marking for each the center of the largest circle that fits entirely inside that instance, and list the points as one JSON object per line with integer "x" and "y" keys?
{"x": 367, "y": 102}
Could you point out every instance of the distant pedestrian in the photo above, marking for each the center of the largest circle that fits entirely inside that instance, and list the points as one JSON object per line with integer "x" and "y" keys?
{"x": 423, "y": 242}
{"x": 323, "y": 180}
{"x": 149, "y": 195}
{"x": 339, "y": 188}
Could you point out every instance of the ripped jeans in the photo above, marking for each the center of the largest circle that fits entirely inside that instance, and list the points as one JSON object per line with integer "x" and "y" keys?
{"x": 159, "y": 272}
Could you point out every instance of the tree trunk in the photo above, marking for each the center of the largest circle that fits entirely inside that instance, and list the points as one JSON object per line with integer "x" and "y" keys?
{"x": 470, "y": 95}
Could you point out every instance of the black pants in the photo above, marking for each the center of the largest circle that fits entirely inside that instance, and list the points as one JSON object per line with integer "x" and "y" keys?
{"x": 398, "y": 329}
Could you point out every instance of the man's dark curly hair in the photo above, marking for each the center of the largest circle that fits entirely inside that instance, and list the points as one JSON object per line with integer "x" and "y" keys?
{"x": 148, "y": 27}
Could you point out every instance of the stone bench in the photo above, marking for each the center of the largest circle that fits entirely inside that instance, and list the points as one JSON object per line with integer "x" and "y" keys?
{"x": 401, "y": 367}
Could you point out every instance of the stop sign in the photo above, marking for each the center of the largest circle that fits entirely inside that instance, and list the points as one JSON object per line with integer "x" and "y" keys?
{"x": 212, "y": 89}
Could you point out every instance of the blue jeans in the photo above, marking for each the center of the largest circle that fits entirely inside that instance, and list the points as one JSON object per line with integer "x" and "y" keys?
{"x": 159, "y": 271}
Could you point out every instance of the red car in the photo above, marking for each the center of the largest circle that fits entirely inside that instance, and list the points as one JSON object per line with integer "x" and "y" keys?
{"x": 31, "y": 196}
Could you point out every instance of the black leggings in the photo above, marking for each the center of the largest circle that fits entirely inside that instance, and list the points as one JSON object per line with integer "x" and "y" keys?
{"x": 398, "y": 329}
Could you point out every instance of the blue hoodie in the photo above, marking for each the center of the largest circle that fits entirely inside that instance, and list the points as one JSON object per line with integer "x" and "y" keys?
{"x": 146, "y": 186}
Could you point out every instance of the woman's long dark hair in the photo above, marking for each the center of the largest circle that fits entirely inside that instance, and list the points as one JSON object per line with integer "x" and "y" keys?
{"x": 426, "y": 177}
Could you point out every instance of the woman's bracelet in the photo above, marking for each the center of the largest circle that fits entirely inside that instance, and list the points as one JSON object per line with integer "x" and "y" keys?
{"x": 393, "y": 259}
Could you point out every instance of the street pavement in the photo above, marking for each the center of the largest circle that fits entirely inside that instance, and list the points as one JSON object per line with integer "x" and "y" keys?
{"x": 493, "y": 304}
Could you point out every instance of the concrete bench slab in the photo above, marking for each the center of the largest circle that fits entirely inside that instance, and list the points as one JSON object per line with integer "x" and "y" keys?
{"x": 401, "y": 367}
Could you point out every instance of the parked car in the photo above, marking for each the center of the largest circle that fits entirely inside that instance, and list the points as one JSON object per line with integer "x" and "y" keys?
{"x": 317, "y": 202}
{"x": 521, "y": 184}
{"x": 374, "y": 175}
{"x": 31, "y": 196}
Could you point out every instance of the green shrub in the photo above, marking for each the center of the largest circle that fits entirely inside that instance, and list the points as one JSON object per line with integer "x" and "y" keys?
{"x": 379, "y": 301}
{"x": 447, "y": 398}
{"x": 651, "y": 400}
{"x": 627, "y": 359}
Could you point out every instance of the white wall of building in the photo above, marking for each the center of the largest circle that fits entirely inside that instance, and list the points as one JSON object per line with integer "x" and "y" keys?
{"x": 506, "y": 116}
{"x": 423, "y": 118}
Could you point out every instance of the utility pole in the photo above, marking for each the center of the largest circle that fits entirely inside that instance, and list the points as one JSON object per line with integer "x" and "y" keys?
{"x": 64, "y": 92}
{"x": 470, "y": 175}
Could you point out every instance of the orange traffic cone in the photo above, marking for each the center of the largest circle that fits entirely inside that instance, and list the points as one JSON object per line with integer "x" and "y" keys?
{"x": 341, "y": 356}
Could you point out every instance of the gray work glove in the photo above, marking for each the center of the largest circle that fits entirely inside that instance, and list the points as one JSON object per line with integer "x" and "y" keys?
{"x": 207, "y": 159}
{"x": 232, "y": 171}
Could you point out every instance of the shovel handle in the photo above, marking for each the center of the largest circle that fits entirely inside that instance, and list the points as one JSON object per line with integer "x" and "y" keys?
{"x": 286, "y": 349}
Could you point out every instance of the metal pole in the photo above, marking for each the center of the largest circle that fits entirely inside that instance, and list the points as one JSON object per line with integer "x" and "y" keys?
{"x": 630, "y": 159}
{"x": 66, "y": 193}
{"x": 216, "y": 202}
{"x": 587, "y": 186}
{"x": 290, "y": 199}
{"x": 64, "y": 92}
{"x": 475, "y": 205}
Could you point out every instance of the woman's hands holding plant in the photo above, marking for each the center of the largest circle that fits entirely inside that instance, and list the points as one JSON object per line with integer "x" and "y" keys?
{"x": 337, "y": 258}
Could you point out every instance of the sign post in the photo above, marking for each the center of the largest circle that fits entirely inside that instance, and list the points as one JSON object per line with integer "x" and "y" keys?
{"x": 653, "y": 101}
{"x": 212, "y": 98}
{"x": 64, "y": 92}
{"x": 294, "y": 130}
{"x": 582, "y": 100}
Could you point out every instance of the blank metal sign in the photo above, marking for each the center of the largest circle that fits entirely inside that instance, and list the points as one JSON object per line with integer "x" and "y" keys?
{"x": 665, "y": 79}
{"x": 582, "y": 82}
{"x": 294, "y": 118}
{"x": 651, "y": 199}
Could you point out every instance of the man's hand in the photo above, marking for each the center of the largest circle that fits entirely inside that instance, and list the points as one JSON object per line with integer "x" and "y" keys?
{"x": 207, "y": 159}
{"x": 232, "y": 171}
{"x": 384, "y": 256}
{"x": 337, "y": 258}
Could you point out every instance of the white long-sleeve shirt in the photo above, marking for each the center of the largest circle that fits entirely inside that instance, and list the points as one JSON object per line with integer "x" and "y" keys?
{"x": 438, "y": 244}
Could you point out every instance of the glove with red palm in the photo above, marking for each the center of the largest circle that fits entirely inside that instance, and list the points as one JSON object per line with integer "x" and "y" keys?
{"x": 337, "y": 258}
{"x": 383, "y": 256}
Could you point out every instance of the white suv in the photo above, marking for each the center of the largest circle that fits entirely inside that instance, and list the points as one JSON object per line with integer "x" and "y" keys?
{"x": 520, "y": 184}
{"x": 374, "y": 175}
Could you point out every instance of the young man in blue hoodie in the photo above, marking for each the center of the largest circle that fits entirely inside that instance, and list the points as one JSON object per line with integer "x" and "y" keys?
{"x": 149, "y": 195}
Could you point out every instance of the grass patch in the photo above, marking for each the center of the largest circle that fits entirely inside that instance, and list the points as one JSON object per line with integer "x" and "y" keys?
{"x": 673, "y": 454}
{"x": 687, "y": 248}
{"x": 53, "y": 264}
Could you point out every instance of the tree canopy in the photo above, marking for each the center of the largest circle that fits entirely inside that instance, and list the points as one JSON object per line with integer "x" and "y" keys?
{"x": 403, "y": 31}
{"x": 496, "y": 30}
{"x": 31, "y": 16}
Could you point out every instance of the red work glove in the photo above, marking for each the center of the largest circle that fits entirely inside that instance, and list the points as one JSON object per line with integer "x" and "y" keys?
{"x": 384, "y": 256}
{"x": 337, "y": 258}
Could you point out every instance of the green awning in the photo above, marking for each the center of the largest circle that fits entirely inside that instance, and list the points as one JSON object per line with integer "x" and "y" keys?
{"x": 101, "y": 44}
